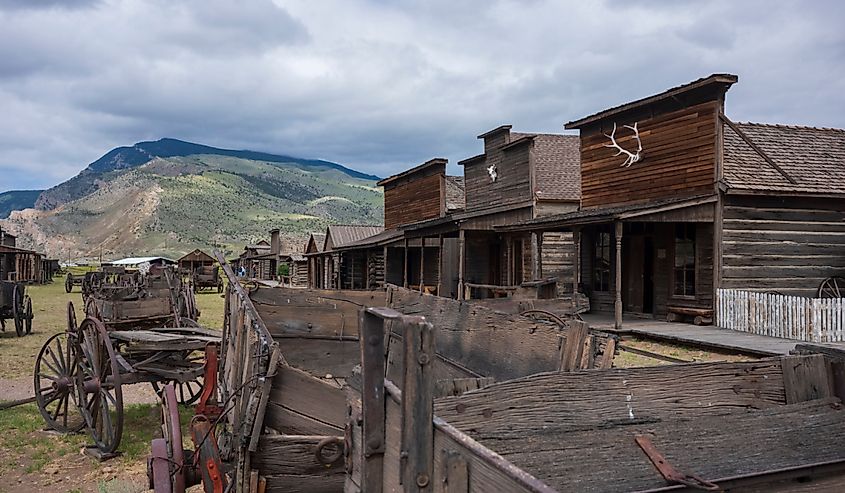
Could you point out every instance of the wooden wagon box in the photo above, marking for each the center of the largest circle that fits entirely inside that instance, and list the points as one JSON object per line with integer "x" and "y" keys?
{"x": 769, "y": 425}
{"x": 308, "y": 342}
{"x": 143, "y": 308}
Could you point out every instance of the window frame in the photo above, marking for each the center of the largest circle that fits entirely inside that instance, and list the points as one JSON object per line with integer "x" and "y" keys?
{"x": 688, "y": 228}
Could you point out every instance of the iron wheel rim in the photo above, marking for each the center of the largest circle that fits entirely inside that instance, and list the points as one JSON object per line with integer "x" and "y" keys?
{"x": 56, "y": 363}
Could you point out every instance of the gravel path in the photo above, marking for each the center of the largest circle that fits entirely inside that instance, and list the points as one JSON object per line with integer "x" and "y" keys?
{"x": 12, "y": 389}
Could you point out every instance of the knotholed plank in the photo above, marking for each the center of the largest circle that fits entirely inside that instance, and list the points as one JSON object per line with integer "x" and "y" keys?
{"x": 321, "y": 357}
{"x": 319, "y": 319}
{"x": 282, "y": 296}
{"x": 567, "y": 401}
{"x": 299, "y": 483}
{"x": 712, "y": 447}
{"x": 294, "y": 455}
{"x": 307, "y": 404}
{"x": 489, "y": 343}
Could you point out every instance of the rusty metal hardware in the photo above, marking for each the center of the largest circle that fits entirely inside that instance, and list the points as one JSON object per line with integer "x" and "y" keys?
{"x": 668, "y": 471}
{"x": 327, "y": 456}
{"x": 207, "y": 405}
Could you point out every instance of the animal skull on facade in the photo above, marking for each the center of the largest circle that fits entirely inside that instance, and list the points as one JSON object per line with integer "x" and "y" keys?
{"x": 493, "y": 172}
{"x": 632, "y": 157}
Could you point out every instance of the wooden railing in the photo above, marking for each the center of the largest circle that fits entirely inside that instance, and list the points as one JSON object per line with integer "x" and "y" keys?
{"x": 776, "y": 315}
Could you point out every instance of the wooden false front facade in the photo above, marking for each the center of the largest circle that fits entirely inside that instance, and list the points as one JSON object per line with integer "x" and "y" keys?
{"x": 679, "y": 201}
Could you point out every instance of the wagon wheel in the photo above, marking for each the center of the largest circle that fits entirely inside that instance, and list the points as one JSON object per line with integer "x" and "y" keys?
{"x": 69, "y": 283}
{"x": 832, "y": 287}
{"x": 187, "y": 393}
{"x": 91, "y": 310}
{"x": 54, "y": 378}
{"x": 171, "y": 429}
{"x": 18, "y": 312}
{"x": 98, "y": 385}
{"x": 219, "y": 287}
{"x": 27, "y": 323}
{"x": 71, "y": 318}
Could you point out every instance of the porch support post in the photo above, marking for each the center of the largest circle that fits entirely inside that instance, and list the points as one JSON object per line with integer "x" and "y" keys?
{"x": 384, "y": 273}
{"x": 461, "y": 262}
{"x": 422, "y": 264}
{"x": 576, "y": 266}
{"x": 618, "y": 303}
{"x": 440, "y": 265}
{"x": 405, "y": 273}
{"x": 535, "y": 256}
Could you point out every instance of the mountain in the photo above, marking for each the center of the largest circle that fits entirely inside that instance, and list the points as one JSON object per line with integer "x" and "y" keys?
{"x": 129, "y": 157}
{"x": 16, "y": 200}
{"x": 168, "y": 197}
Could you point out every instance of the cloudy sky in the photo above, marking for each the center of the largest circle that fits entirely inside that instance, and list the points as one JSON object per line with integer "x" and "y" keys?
{"x": 383, "y": 85}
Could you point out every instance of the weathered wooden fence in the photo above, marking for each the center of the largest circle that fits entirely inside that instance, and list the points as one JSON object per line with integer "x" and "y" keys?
{"x": 790, "y": 317}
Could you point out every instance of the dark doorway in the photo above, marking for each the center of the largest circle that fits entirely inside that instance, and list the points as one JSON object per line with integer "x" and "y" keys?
{"x": 648, "y": 275}
{"x": 494, "y": 259}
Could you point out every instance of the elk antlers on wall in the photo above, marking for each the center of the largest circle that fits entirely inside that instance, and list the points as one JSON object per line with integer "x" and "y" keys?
{"x": 632, "y": 157}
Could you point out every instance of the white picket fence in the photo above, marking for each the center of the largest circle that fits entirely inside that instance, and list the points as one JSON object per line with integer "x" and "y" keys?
{"x": 790, "y": 317}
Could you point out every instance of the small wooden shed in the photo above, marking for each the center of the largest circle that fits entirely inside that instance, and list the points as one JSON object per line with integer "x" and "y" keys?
{"x": 192, "y": 260}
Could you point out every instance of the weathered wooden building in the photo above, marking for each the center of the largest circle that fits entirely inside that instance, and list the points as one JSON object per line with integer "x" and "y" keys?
{"x": 330, "y": 267}
{"x": 19, "y": 264}
{"x": 519, "y": 177}
{"x": 677, "y": 200}
{"x": 191, "y": 261}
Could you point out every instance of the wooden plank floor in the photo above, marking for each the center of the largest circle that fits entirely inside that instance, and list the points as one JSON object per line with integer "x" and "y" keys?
{"x": 704, "y": 336}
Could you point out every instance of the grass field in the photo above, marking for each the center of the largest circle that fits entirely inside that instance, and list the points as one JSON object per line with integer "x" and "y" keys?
{"x": 32, "y": 459}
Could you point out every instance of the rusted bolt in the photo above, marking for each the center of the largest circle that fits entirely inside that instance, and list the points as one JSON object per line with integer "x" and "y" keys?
{"x": 423, "y": 358}
{"x": 460, "y": 408}
{"x": 488, "y": 413}
{"x": 422, "y": 480}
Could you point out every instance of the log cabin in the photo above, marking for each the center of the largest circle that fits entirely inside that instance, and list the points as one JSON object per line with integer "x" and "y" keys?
{"x": 678, "y": 200}
{"x": 330, "y": 267}
{"x": 19, "y": 264}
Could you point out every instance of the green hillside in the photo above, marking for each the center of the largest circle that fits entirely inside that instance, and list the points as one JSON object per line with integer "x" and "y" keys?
{"x": 171, "y": 205}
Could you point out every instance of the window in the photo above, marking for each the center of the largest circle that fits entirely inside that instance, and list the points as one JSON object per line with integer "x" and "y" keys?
{"x": 601, "y": 269}
{"x": 684, "y": 266}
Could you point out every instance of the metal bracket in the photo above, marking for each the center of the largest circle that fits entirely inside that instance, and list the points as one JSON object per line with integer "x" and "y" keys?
{"x": 668, "y": 471}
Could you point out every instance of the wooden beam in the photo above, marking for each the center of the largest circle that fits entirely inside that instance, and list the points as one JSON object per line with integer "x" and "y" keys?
{"x": 372, "y": 400}
{"x": 405, "y": 274}
{"x": 618, "y": 300}
{"x": 422, "y": 264}
{"x": 418, "y": 407}
{"x": 440, "y": 265}
{"x": 461, "y": 262}
{"x": 535, "y": 257}
{"x": 576, "y": 266}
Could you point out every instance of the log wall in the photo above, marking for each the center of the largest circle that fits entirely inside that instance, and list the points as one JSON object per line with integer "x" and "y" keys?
{"x": 782, "y": 244}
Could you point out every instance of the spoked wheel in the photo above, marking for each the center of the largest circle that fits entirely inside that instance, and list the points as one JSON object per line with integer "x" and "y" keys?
{"x": 54, "y": 379}
{"x": 166, "y": 467}
{"x": 98, "y": 385}
{"x": 832, "y": 287}
{"x": 69, "y": 283}
{"x": 71, "y": 318}
{"x": 18, "y": 312}
{"x": 91, "y": 309}
{"x": 187, "y": 393}
{"x": 27, "y": 322}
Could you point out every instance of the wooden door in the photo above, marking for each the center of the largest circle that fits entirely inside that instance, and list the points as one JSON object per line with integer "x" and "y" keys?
{"x": 632, "y": 273}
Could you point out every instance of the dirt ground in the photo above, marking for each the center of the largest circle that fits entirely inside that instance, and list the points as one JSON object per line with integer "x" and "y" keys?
{"x": 35, "y": 460}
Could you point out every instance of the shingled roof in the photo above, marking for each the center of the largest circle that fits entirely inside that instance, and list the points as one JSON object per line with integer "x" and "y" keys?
{"x": 455, "y": 198}
{"x": 782, "y": 158}
{"x": 557, "y": 168}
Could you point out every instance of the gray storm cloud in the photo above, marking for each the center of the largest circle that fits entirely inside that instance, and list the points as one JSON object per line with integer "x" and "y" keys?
{"x": 381, "y": 86}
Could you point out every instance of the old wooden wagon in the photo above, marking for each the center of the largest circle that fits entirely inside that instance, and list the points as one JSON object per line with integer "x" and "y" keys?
{"x": 287, "y": 354}
{"x": 769, "y": 425}
{"x": 15, "y": 305}
{"x": 207, "y": 277}
{"x": 131, "y": 334}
